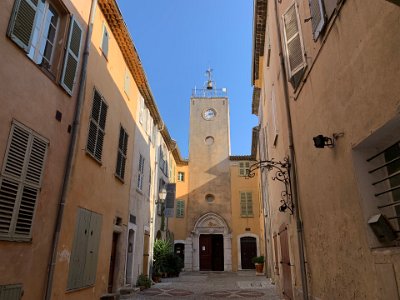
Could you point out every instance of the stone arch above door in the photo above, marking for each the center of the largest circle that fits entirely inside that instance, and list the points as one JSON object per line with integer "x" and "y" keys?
{"x": 209, "y": 223}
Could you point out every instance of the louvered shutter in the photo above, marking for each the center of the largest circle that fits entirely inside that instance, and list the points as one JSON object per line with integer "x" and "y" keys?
{"x": 72, "y": 55}
{"x": 241, "y": 169}
{"x": 317, "y": 17}
{"x": 122, "y": 151}
{"x": 180, "y": 208}
{"x": 22, "y": 21}
{"x": 20, "y": 182}
{"x": 97, "y": 126}
{"x": 92, "y": 249}
{"x": 294, "y": 45}
{"x": 104, "y": 43}
{"x": 249, "y": 204}
{"x": 243, "y": 204}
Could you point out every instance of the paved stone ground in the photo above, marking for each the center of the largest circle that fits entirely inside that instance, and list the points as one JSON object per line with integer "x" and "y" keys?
{"x": 212, "y": 285}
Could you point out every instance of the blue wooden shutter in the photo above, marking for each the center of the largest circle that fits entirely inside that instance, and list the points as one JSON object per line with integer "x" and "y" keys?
{"x": 72, "y": 55}
{"x": 21, "y": 22}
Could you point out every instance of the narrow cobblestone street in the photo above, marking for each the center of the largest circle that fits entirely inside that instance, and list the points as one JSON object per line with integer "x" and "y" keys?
{"x": 212, "y": 285}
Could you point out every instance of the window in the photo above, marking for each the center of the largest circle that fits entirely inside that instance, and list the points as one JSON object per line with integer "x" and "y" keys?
{"x": 377, "y": 166}
{"x": 141, "y": 109}
{"x": 35, "y": 27}
{"x": 85, "y": 249}
{"x": 243, "y": 168}
{"x": 295, "y": 56}
{"x": 140, "y": 173}
{"x": 246, "y": 204}
{"x": 317, "y": 17}
{"x": 97, "y": 127}
{"x": 210, "y": 198}
{"x": 104, "y": 42}
{"x": 181, "y": 176}
{"x": 122, "y": 150}
{"x": 163, "y": 161}
{"x": 180, "y": 208}
{"x": 20, "y": 182}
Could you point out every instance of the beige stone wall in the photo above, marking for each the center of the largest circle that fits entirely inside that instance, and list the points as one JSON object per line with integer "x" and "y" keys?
{"x": 94, "y": 185}
{"x": 350, "y": 86}
{"x": 31, "y": 97}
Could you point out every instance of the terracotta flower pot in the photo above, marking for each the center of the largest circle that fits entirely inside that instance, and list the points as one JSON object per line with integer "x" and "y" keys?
{"x": 259, "y": 268}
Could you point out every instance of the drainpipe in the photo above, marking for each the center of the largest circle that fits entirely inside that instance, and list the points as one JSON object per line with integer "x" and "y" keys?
{"x": 293, "y": 175}
{"x": 71, "y": 152}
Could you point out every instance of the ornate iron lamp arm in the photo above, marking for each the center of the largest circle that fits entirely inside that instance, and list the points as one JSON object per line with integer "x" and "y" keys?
{"x": 282, "y": 174}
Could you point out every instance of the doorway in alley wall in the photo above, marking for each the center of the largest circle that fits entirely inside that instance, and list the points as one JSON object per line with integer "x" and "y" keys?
{"x": 129, "y": 258}
{"x": 179, "y": 249}
{"x": 248, "y": 250}
{"x": 285, "y": 262}
{"x": 211, "y": 252}
{"x": 112, "y": 261}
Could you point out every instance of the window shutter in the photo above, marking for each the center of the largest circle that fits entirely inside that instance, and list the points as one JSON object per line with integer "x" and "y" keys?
{"x": 17, "y": 151}
{"x": 11, "y": 292}
{"x": 241, "y": 169}
{"x": 79, "y": 249}
{"x": 21, "y": 22}
{"x": 243, "y": 204}
{"x": 72, "y": 55}
{"x": 92, "y": 249}
{"x": 317, "y": 17}
{"x": 249, "y": 204}
{"x": 20, "y": 182}
{"x": 104, "y": 43}
{"x": 294, "y": 45}
{"x": 122, "y": 150}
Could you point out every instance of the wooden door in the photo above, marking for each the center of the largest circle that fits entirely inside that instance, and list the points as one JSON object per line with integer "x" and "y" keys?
{"x": 205, "y": 252}
{"x": 285, "y": 262}
{"x": 217, "y": 250}
{"x": 248, "y": 250}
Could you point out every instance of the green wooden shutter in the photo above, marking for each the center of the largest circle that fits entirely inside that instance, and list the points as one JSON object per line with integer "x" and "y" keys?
{"x": 241, "y": 169}
{"x": 11, "y": 292}
{"x": 294, "y": 45}
{"x": 249, "y": 204}
{"x": 92, "y": 249}
{"x": 21, "y": 22}
{"x": 317, "y": 17}
{"x": 72, "y": 55}
{"x": 180, "y": 209}
{"x": 243, "y": 204}
{"x": 79, "y": 250}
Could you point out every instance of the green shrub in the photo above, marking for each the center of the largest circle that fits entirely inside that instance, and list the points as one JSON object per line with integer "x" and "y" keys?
{"x": 258, "y": 259}
{"x": 143, "y": 280}
{"x": 174, "y": 264}
{"x": 161, "y": 250}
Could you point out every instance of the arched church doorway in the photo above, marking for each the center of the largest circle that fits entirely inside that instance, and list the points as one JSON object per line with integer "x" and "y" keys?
{"x": 211, "y": 252}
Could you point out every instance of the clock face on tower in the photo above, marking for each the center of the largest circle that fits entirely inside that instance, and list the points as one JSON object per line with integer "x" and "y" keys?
{"x": 209, "y": 114}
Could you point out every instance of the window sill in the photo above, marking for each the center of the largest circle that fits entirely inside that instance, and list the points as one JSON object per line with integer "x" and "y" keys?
{"x": 93, "y": 157}
{"x": 119, "y": 178}
{"x": 16, "y": 239}
{"x": 247, "y": 216}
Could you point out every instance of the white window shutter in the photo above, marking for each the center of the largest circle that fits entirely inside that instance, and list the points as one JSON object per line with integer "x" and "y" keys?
{"x": 72, "y": 55}
{"x": 317, "y": 17}
{"x": 21, "y": 22}
{"x": 17, "y": 151}
{"x": 295, "y": 58}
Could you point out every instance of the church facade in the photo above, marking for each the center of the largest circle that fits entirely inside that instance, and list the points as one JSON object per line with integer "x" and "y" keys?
{"x": 216, "y": 223}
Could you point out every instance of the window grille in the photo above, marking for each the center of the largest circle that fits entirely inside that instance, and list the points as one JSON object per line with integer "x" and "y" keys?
{"x": 385, "y": 166}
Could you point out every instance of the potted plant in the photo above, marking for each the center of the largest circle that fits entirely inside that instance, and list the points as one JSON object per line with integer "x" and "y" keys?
{"x": 258, "y": 261}
{"x": 143, "y": 282}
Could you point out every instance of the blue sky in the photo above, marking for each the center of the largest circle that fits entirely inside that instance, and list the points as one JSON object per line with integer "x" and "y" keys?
{"x": 178, "y": 40}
